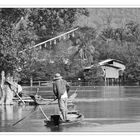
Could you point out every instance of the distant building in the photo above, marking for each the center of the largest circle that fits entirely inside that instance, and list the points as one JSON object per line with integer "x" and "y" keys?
{"x": 112, "y": 68}
{"x": 113, "y": 71}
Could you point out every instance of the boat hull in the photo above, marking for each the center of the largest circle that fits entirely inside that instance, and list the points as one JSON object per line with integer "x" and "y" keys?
{"x": 30, "y": 101}
{"x": 38, "y": 100}
{"x": 73, "y": 117}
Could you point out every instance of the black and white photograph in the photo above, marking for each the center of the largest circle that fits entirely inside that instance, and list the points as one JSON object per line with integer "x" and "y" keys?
{"x": 69, "y": 69}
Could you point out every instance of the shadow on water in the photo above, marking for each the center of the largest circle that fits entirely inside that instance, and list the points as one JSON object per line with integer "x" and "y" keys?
{"x": 99, "y": 105}
{"x": 6, "y": 114}
{"x": 56, "y": 129}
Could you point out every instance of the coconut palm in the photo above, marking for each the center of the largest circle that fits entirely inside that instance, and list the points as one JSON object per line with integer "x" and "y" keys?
{"x": 83, "y": 48}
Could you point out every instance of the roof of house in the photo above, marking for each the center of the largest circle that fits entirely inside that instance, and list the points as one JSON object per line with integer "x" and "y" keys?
{"x": 104, "y": 62}
{"x": 109, "y": 60}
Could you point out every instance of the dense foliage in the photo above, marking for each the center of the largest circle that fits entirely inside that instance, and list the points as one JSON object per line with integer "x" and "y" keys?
{"x": 22, "y": 28}
{"x": 102, "y": 34}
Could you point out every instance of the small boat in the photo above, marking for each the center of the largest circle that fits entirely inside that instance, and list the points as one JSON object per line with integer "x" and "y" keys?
{"x": 26, "y": 100}
{"x": 32, "y": 100}
{"x": 42, "y": 101}
{"x": 55, "y": 120}
{"x": 38, "y": 100}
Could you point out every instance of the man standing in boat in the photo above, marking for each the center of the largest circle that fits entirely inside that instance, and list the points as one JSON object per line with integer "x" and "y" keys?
{"x": 60, "y": 89}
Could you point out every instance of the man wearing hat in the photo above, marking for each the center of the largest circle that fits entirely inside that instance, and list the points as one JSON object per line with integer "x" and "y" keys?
{"x": 60, "y": 89}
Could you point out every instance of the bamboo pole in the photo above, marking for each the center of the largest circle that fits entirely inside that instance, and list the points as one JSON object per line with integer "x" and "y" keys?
{"x": 20, "y": 98}
{"x": 44, "y": 113}
{"x": 50, "y": 39}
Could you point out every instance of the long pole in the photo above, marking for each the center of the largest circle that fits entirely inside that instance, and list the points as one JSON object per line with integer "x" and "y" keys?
{"x": 17, "y": 93}
{"x": 72, "y": 97}
{"x": 44, "y": 113}
{"x": 50, "y": 39}
{"x": 33, "y": 111}
{"x": 20, "y": 98}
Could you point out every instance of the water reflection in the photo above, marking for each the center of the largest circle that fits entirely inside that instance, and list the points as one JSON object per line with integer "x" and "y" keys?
{"x": 6, "y": 112}
{"x": 19, "y": 112}
{"x": 11, "y": 113}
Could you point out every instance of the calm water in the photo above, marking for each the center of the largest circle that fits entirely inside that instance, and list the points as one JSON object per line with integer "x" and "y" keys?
{"x": 99, "y": 105}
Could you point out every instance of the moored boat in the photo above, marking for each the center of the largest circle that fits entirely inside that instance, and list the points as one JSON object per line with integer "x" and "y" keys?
{"x": 26, "y": 100}
{"x": 38, "y": 100}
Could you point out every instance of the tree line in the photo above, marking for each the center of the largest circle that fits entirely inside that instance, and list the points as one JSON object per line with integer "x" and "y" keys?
{"x": 22, "y": 28}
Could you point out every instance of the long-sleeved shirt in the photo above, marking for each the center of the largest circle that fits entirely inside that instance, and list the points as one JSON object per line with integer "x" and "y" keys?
{"x": 60, "y": 86}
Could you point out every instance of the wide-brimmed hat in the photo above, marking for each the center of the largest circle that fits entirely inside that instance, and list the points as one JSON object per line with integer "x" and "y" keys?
{"x": 57, "y": 76}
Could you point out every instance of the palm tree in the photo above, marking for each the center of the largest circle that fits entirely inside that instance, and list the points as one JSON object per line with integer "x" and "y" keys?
{"x": 83, "y": 48}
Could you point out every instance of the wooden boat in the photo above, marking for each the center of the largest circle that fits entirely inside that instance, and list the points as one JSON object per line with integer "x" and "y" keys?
{"x": 38, "y": 100}
{"x": 42, "y": 101}
{"x": 32, "y": 100}
{"x": 73, "y": 118}
{"x": 26, "y": 100}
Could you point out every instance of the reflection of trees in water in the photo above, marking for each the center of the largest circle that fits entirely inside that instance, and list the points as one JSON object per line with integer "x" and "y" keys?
{"x": 10, "y": 112}
{"x": 6, "y": 112}
{"x": 20, "y": 112}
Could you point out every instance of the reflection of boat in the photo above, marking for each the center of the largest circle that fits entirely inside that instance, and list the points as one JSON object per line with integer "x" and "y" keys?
{"x": 73, "y": 118}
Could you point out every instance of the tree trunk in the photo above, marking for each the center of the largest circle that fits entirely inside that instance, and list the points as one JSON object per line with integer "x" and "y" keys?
{"x": 6, "y": 92}
{"x": 9, "y": 95}
{"x": 2, "y": 94}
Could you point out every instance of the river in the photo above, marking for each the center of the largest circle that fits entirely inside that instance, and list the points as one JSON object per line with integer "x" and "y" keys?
{"x": 99, "y": 105}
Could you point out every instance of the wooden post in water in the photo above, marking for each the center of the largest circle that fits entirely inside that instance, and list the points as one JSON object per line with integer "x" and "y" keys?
{"x": 105, "y": 81}
{"x": 39, "y": 83}
{"x": 31, "y": 81}
{"x": 105, "y": 76}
